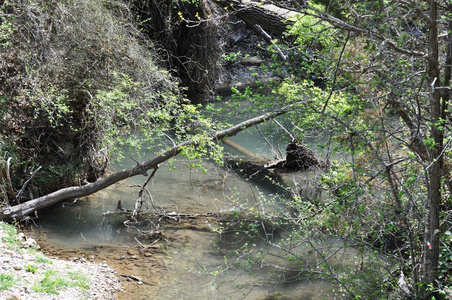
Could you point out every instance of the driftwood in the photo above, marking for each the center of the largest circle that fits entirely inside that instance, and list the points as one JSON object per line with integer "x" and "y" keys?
{"x": 18, "y": 212}
{"x": 298, "y": 158}
{"x": 239, "y": 148}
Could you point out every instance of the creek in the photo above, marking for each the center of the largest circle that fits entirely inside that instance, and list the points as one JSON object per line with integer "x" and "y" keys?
{"x": 183, "y": 261}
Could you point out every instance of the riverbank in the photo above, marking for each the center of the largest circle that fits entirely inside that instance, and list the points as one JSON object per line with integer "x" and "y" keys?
{"x": 27, "y": 273}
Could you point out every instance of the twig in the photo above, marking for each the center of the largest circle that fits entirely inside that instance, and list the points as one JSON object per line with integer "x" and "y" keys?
{"x": 131, "y": 277}
{"x": 139, "y": 242}
{"x": 29, "y": 179}
{"x": 335, "y": 73}
{"x": 268, "y": 38}
{"x": 272, "y": 149}
{"x": 283, "y": 128}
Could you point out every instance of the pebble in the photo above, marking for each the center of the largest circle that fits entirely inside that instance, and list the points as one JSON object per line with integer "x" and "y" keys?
{"x": 132, "y": 252}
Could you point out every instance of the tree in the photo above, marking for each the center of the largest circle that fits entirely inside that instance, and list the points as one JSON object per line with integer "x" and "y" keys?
{"x": 420, "y": 38}
{"x": 386, "y": 71}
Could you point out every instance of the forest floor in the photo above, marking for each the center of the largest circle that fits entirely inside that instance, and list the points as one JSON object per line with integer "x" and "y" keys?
{"x": 27, "y": 273}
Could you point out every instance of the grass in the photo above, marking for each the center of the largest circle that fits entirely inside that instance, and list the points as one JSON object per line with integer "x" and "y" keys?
{"x": 31, "y": 268}
{"x": 43, "y": 259}
{"x": 6, "y": 281}
{"x": 9, "y": 240}
{"x": 52, "y": 282}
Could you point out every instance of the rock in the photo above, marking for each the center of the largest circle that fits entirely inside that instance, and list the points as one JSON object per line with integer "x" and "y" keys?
{"x": 83, "y": 260}
{"x": 252, "y": 61}
{"x": 132, "y": 252}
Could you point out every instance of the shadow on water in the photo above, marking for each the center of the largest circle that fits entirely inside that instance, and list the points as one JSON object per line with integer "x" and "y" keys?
{"x": 182, "y": 261}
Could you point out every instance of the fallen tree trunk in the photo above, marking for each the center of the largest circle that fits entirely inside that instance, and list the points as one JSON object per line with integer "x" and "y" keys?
{"x": 18, "y": 212}
{"x": 239, "y": 148}
{"x": 270, "y": 17}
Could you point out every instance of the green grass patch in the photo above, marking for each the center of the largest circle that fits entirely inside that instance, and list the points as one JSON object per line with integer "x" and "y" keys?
{"x": 53, "y": 282}
{"x": 43, "y": 259}
{"x": 79, "y": 279}
{"x": 31, "y": 268}
{"x": 6, "y": 281}
{"x": 10, "y": 239}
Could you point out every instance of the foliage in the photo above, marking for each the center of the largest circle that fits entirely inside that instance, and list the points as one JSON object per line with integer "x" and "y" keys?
{"x": 312, "y": 32}
{"x": 232, "y": 57}
{"x": 128, "y": 113}
{"x": 445, "y": 262}
{"x": 51, "y": 283}
{"x": 193, "y": 124}
{"x": 372, "y": 114}
{"x": 90, "y": 87}
{"x": 11, "y": 236}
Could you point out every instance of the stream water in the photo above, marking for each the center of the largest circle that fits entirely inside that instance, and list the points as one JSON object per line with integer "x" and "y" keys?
{"x": 181, "y": 263}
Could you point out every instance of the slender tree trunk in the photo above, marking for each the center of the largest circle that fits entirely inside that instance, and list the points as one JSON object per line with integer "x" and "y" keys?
{"x": 432, "y": 232}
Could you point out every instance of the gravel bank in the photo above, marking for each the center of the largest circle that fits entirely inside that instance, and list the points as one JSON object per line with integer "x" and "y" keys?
{"x": 26, "y": 273}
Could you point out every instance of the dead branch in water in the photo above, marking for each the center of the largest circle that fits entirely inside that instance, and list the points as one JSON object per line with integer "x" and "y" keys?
{"x": 139, "y": 202}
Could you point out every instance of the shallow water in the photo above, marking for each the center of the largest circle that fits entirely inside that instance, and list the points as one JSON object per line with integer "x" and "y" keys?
{"x": 180, "y": 265}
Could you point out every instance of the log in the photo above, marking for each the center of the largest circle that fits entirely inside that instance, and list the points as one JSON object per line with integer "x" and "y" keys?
{"x": 270, "y": 17}
{"x": 239, "y": 148}
{"x": 21, "y": 211}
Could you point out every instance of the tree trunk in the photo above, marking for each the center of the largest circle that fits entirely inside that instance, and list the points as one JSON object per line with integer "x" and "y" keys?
{"x": 271, "y": 18}
{"x": 432, "y": 231}
{"x": 18, "y": 212}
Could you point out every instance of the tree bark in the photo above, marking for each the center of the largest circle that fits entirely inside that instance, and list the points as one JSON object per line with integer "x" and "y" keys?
{"x": 434, "y": 170}
{"x": 270, "y": 17}
{"x": 18, "y": 212}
